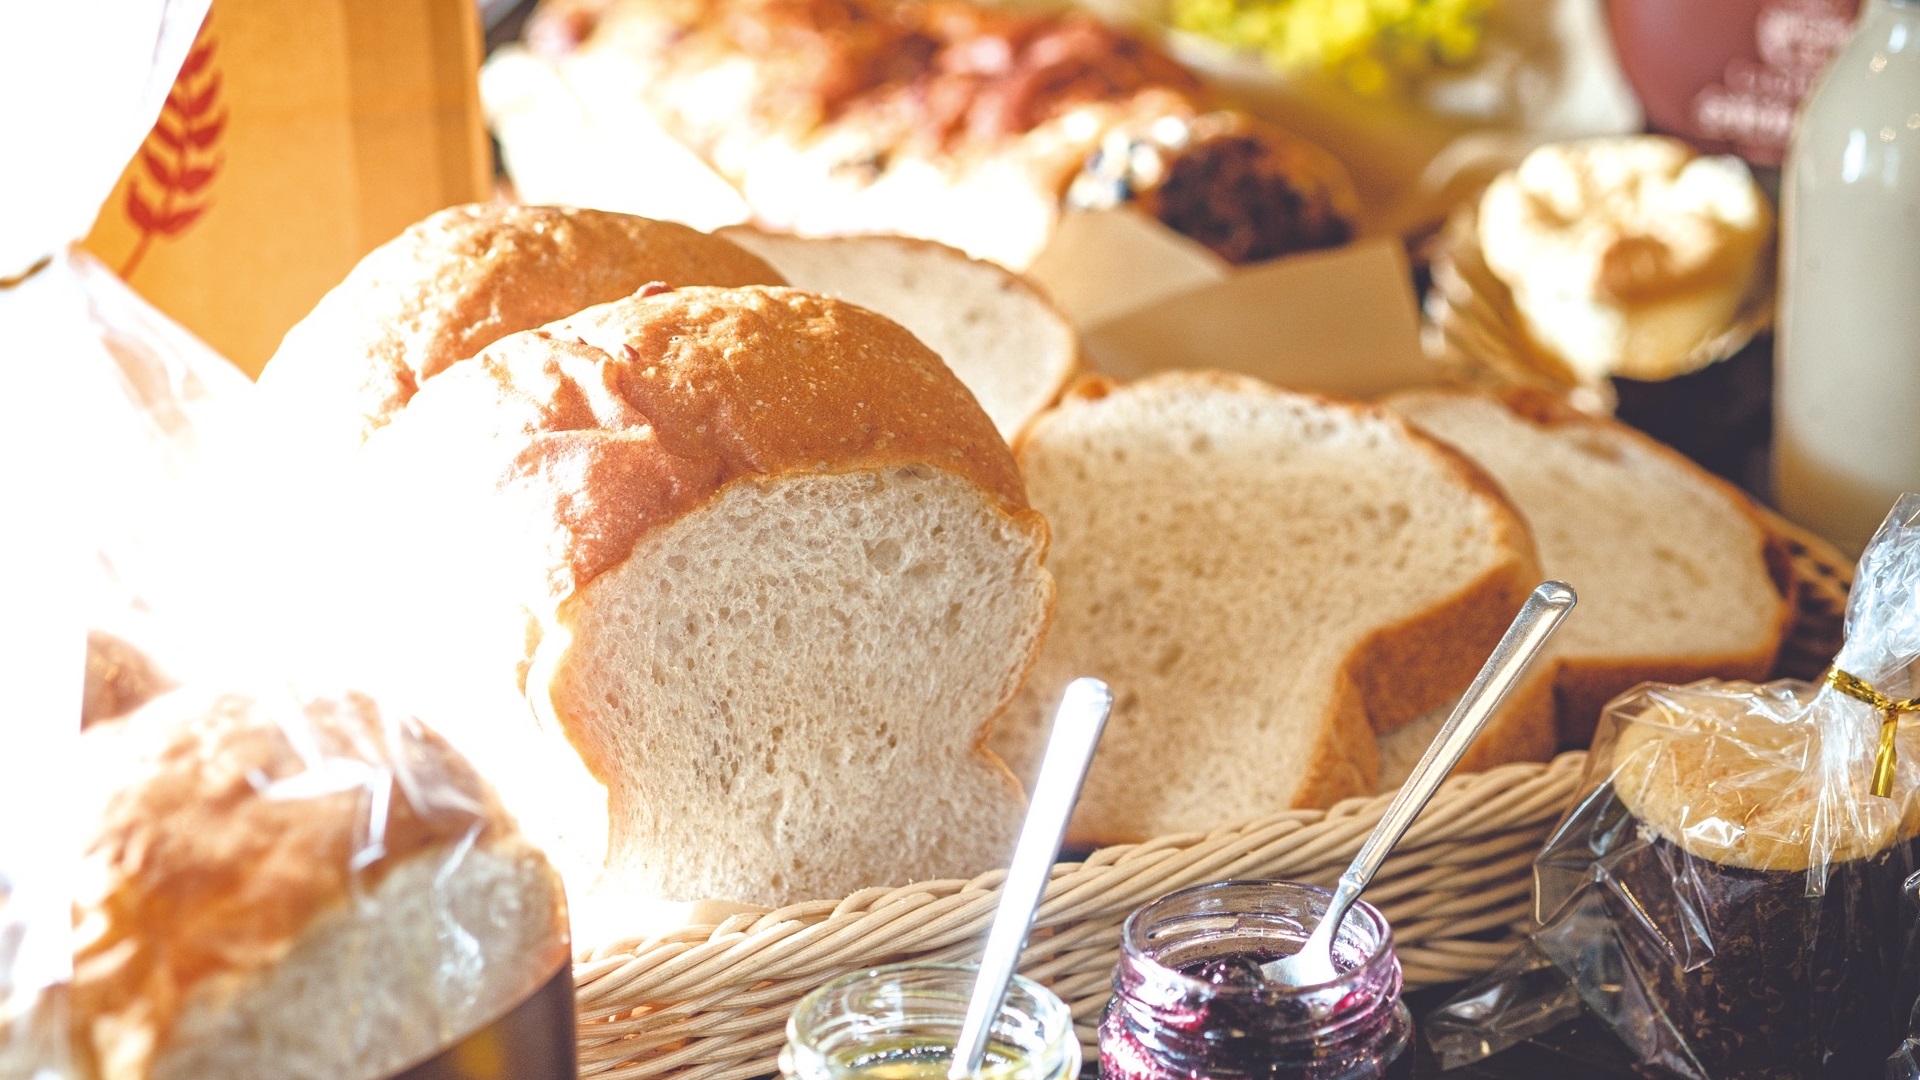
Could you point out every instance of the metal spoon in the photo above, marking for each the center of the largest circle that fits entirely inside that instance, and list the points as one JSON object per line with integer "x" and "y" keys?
{"x": 1538, "y": 618}
{"x": 1076, "y": 731}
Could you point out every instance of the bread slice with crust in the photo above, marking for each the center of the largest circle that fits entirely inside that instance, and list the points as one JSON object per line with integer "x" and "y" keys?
{"x": 999, "y": 334}
{"x": 456, "y": 282}
{"x": 1266, "y": 579}
{"x": 1676, "y": 570}
{"x": 761, "y": 564}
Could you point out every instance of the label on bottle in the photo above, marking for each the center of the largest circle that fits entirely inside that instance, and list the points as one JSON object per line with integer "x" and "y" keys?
{"x": 1753, "y": 103}
{"x": 533, "y": 1041}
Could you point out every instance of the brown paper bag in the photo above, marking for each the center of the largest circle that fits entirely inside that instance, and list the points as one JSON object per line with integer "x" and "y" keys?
{"x": 299, "y": 135}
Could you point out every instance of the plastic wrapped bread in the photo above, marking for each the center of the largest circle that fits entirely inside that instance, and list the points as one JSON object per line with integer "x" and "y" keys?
{"x": 1728, "y": 895}
{"x": 292, "y": 884}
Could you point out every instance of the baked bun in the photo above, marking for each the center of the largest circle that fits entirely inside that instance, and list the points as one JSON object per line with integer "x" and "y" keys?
{"x": 294, "y": 885}
{"x": 456, "y": 282}
{"x": 757, "y": 557}
{"x": 1625, "y": 254}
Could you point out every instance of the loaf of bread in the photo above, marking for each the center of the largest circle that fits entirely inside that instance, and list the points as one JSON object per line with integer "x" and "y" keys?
{"x": 1005, "y": 340}
{"x": 953, "y": 121}
{"x": 456, "y": 282}
{"x": 754, "y": 557}
{"x": 293, "y": 885}
{"x": 1265, "y": 579}
{"x": 1675, "y": 567}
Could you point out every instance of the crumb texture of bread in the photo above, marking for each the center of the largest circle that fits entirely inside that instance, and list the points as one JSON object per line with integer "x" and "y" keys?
{"x": 1670, "y": 563}
{"x": 798, "y": 671}
{"x": 717, "y": 532}
{"x": 1522, "y": 729}
{"x": 1231, "y": 558}
{"x": 458, "y": 281}
{"x": 264, "y": 871}
{"x": 1005, "y": 340}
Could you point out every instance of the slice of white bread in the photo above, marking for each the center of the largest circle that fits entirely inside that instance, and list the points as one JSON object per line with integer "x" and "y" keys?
{"x": 1264, "y": 578}
{"x": 455, "y": 282}
{"x": 278, "y": 883}
{"x": 1005, "y": 340}
{"x": 760, "y": 561}
{"x": 1677, "y": 574}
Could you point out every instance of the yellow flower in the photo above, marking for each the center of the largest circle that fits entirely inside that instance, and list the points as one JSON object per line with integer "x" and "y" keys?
{"x": 1372, "y": 45}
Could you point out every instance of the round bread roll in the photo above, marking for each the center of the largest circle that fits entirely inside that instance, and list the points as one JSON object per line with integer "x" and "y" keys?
{"x": 456, "y": 282}
{"x": 121, "y": 677}
{"x": 758, "y": 560}
{"x": 294, "y": 886}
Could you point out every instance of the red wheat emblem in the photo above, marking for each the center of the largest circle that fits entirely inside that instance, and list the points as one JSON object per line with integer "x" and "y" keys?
{"x": 179, "y": 156}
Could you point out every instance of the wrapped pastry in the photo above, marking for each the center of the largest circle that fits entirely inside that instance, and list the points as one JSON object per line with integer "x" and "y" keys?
{"x": 1728, "y": 896}
{"x": 298, "y": 885}
{"x": 950, "y": 121}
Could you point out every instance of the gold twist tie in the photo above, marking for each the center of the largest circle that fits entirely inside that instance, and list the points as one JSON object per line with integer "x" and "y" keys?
{"x": 1890, "y": 709}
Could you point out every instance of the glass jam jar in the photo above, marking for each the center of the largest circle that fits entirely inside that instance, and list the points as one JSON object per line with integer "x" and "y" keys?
{"x": 901, "y": 1022}
{"x": 1189, "y": 1001}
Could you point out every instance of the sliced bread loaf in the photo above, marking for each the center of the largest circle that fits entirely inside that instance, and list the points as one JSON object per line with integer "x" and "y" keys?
{"x": 1265, "y": 578}
{"x": 454, "y": 283}
{"x": 1675, "y": 568}
{"x": 1005, "y": 340}
{"x": 759, "y": 560}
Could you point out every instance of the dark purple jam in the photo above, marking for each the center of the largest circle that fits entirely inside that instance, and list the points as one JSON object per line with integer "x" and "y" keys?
{"x": 1192, "y": 1005}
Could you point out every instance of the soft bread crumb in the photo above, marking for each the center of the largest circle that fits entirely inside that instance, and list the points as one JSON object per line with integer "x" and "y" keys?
{"x": 1259, "y": 575}
{"x": 1670, "y": 563}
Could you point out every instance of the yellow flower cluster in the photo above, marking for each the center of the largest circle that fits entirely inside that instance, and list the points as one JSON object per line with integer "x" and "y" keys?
{"x": 1374, "y": 45}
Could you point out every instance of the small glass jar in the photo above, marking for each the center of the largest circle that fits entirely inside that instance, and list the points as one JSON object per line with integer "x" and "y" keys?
{"x": 1189, "y": 1001}
{"x": 901, "y": 1022}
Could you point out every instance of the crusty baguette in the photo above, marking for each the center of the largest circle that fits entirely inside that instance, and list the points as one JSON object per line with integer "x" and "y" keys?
{"x": 1675, "y": 568}
{"x": 760, "y": 561}
{"x": 1265, "y": 578}
{"x": 293, "y": 885}
{"x": 999, "y": 334}
{"x": 456, "y": 282}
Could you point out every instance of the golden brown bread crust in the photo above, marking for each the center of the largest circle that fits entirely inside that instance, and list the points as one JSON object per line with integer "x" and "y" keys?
{"x": 619, "y": 420}
{"x": 191, "y": 871}
{"x": 844, "y": 96}
{"x": 120, "y": 678}
{"x": 465, "y": 277}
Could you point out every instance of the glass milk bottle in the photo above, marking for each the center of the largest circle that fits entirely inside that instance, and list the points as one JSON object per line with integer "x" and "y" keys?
{"x": 1847, "y": 395}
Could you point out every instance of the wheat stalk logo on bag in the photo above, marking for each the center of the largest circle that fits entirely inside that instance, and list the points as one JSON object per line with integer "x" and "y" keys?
{"x": 179, "y": 156}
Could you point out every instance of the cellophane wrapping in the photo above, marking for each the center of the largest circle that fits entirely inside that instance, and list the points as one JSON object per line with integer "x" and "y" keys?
{"x": 1727, "y": 895}
{"x": 82, "y": 83}
{"x": 276, "y": 881}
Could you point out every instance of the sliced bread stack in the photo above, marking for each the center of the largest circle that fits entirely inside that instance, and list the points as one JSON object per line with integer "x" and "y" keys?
{"x": 1267, "y": 579}
{"x": 999, "y": 334}
{"x": 1676, "y": 571}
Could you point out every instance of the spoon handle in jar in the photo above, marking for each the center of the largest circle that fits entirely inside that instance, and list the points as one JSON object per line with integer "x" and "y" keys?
{"x": 1538, "y": 618}
{"x": 1076, "y": 731}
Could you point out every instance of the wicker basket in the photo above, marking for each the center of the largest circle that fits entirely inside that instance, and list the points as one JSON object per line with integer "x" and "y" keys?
{"x": 711, "y": 1002}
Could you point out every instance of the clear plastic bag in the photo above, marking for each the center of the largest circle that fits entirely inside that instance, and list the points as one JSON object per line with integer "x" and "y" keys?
{"x": 277, "y": 882}
{"x": 1727, "y": 896}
